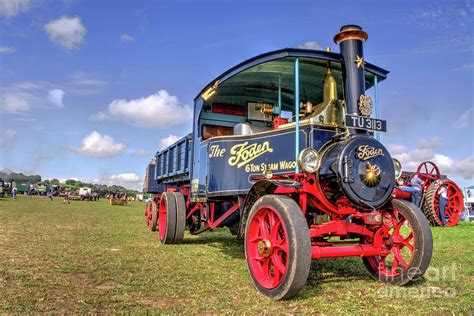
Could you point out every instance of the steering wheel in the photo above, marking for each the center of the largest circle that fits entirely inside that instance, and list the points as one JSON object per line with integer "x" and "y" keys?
{"x": 428, "y": 172}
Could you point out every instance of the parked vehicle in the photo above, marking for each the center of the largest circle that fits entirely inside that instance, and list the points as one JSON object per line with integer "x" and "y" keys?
{"x": 433, "y": 182}
{"x": 283, "y": 153}
{"x": 2, "y": 188}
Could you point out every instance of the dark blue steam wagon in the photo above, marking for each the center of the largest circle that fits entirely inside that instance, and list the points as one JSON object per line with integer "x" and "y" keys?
{"x": 283, "y": 153}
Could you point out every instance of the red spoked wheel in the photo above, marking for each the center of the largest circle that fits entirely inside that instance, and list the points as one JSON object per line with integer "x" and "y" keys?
{"x": 268, "y": 247}
{"x": 454, "y": 204}
{"x": 407, "y": 237}
{"x": 167, "y": 218}
{"x": 428, "y": 172}
{"x": 154, "y": 217}
{"x": 277, "y": 246}
{"x": 148, "y": 213}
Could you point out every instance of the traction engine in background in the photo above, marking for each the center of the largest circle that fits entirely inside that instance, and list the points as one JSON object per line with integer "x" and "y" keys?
{"x": 433, "y": 182}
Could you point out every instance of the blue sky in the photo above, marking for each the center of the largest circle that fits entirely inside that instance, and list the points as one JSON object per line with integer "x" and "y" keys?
{"x": 91, "y": 89}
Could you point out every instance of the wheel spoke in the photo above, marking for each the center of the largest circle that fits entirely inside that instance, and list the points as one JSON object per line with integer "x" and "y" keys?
{"x": 281, "y": 245}
{"x": 382, "y": 266}
{"x": 274, "y": 232}
{"x": 397, "y": 226}
{"x": 278, "y": 263}
{"x": 271, "y": 219}
{"x": 394, "y": 265}
{"x": 398, "y": 257}
{"x": 263, "y": 226}
{"x": 407, "y": 244}
{"x": 266, "y": 267}
{"x": 258, "y": 258}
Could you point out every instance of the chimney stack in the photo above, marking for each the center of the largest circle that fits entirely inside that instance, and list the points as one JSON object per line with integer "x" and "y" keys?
{"x": 351, "y": 40}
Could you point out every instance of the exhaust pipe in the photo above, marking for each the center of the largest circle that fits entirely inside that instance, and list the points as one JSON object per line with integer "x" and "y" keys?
{"x": 351, "y": 40}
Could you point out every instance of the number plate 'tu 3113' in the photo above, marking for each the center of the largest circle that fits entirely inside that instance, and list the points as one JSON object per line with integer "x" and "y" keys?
{"x": 366, "y": 123}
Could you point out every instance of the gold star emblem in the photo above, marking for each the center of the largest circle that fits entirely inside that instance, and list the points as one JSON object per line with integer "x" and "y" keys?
{"x": 359, "y": 61}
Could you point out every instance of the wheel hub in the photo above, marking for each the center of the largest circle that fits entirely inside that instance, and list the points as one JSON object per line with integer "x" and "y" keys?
{"x": 264, "y": 247}
{"x": 388, "y": 242}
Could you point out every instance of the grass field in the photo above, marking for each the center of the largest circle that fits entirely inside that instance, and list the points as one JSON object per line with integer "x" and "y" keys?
{"x": 92, "y": 257}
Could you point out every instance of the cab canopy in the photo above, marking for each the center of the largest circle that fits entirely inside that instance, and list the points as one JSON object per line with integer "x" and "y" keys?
{"x": 269, "y": 80}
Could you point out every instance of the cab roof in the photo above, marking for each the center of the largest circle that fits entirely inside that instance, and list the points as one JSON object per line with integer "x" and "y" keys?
{"x": 281, "y": 63}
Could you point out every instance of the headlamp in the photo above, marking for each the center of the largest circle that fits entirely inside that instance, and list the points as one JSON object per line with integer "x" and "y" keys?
{"x": 309, "y": 160}
{"x": 397, "y": 166}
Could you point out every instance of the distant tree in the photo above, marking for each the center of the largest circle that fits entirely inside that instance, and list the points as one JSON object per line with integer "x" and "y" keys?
{"x": 55, "y": 181}
{"x": 71, "y": 182}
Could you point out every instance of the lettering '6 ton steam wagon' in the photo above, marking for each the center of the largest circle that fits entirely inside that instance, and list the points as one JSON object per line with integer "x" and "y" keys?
{"x": 282, "y": 153}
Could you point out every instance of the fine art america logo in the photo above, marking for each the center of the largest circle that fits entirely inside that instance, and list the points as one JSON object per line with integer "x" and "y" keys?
{"x": 243, "y": 153}
{"x": 364, "y": 152}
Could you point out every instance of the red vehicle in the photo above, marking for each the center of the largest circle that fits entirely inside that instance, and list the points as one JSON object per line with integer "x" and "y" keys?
{"x": 433, "y": 181}
{"x": 283, "y": 153}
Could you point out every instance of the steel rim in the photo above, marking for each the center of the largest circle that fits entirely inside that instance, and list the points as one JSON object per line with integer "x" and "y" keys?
{"x": 454, "y": 204}
{"x": 428, "y": 172}
{"x": 148, "y": 214}
{"x": 162, "y": 218}
{"x": 267, "y": 247}
{"x": 400, "y": 242}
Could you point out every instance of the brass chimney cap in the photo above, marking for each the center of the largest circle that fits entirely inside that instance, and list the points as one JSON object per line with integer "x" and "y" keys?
{"x": 350, "y": 32}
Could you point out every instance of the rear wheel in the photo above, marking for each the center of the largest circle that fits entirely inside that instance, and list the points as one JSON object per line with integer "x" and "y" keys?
{"x": 148, "y": 210}
{"x": 167, "y": 218}
{"x": 154, "y": 216}
{"x": 180, "y": 217}
{"x": 277, "y": 246}
{"x": 454, "y": 203}
{"x": 410, "y": 243}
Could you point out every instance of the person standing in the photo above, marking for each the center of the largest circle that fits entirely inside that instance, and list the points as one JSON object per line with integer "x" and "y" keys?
{"x": 415, "y": 189}
{"x": 416, "y": 184}
{"x": 66, "y": 197}
{"x": 14, "y": 190}
{"x": 50, "y": 193}
{"x": 443, "y": 199}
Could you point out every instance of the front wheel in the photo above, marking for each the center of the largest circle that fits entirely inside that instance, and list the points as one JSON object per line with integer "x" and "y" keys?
{"x": 277, "y": 246}
{"x": 410, "y": 243}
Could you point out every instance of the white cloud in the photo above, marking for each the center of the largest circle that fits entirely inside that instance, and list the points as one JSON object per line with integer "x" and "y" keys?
{"x": 126, "y": 38}
{"x": 464, "y": 67}
{"x": 443, "y": 162}
{"x": 9, "y": 136}
{"x": 14, "y": 103}
{"x": 55, "y": 97}
{"x": 98, "y": 146}
{"x": 466, "y": 120}
{"x": 449, "y": 166}
{"x": 87, "y": 79}
{"x": 167, "y": 141}
{"x": 159, "y": 110}
{"x": 141, "y": 153}
{"x": 10, "y": 8}
{"x": 465, "y": 168}
{"x": 66, "y": 31}
{"x": 129, "y": 179}
{"x": 311, "y": 45}
{"x": 396, "y": 149}
{"x": 430, "y": 143}
{"x": 7, "y": 50}
{"x": 421, "y": 154}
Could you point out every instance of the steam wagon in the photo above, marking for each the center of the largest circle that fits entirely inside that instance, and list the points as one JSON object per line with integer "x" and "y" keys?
{"x": 283, "y": 153}
{"x": 433, "y": 184}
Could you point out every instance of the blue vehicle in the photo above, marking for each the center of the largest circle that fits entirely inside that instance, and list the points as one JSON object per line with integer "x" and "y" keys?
{"x": 283, "y": 153}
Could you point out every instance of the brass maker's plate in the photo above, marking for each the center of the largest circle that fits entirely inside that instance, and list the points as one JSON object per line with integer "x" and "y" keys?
{"x": 371, "y": 177}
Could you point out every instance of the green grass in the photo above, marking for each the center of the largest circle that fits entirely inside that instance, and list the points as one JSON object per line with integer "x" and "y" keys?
{"x": 89, "y": 257}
